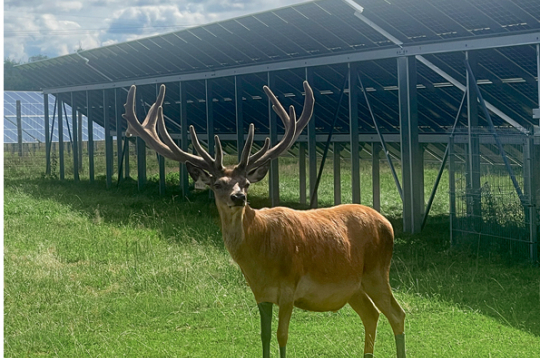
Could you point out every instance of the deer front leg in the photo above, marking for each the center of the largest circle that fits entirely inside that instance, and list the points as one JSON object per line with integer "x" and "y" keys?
{"x": 285, "y": 311}
{"x": 265, "y": 309}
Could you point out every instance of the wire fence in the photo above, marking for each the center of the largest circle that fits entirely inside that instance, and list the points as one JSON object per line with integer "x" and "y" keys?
{"x": 491, "y": 203}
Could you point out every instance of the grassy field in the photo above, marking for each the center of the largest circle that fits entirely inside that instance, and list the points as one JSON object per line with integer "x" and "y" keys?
{"x": 110, "y": 273}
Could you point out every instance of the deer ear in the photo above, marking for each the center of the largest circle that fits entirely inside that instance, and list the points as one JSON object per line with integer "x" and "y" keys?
{"x": 258, "y": 173}
{"x": 198, "y": 174}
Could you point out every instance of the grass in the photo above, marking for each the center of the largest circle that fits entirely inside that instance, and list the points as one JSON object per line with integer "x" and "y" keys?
{"x": 96, "y": 272}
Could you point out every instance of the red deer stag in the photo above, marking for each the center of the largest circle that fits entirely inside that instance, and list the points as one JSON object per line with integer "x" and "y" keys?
{"x": 316, "y": 260}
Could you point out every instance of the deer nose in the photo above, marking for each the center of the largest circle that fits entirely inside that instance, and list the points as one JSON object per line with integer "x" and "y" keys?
{"x": 238, "y": 198}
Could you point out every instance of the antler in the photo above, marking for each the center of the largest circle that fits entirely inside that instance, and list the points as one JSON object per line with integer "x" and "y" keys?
{"x": 293, "y": 128}
{"x": 168, "y": 148}
{"x": 165, "y": 145}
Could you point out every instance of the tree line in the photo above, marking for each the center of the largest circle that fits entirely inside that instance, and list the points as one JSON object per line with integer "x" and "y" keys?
{"x": 14, "y": 80}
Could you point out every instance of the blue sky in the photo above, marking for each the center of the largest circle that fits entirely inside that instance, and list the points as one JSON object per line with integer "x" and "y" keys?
{"x": 60, "y": 27}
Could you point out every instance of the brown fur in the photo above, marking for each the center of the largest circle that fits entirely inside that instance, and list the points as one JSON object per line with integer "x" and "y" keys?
{"x": 317, "y": 260}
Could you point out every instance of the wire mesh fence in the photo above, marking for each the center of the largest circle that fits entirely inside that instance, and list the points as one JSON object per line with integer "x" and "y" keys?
{"x": 491, "y": 202}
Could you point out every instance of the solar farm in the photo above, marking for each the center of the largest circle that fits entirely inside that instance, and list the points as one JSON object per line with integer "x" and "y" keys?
{"x": 426, "y": 111}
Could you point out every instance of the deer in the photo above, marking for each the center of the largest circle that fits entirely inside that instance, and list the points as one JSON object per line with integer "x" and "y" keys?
{"x": 316, "y": 260}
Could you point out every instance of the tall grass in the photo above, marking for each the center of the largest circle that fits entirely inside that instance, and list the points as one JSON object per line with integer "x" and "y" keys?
{"x": 122, "y": 272}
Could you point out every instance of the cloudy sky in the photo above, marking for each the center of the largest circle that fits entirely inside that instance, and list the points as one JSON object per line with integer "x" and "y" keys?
{"x": 59, "y": 27}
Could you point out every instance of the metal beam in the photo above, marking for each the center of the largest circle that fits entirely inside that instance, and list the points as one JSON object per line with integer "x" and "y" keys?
{"x": 411, "y": 165}
{"x": 61, "y": 138}
{"x": 273, "y": 176}
{"x": 75, "y": 143}
{"x": 473, "y": 179}
{"x": 337, "y": 173}
{"x": 238, "y": 104}
{"x": 90, "y": 117}
{"x": 47, "y": 135}
{"x": 376, "y": 175}
{"x": 312, "y": 149}
{"x": 354, "y": 131}
{"x": 302, "y": 170}
{"x": 119, "y": 108}
{"x": 479, "y": 43}
{"x": 108, "y": 140}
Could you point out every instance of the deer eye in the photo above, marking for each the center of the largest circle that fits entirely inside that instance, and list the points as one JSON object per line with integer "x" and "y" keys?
{"x": 218, "y": 186}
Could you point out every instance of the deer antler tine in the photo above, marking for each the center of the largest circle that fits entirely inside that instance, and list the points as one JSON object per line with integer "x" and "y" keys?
{"x": 260, "y": 152}
{"x": 276, "y": 105}
{"x": 219, "y": 154}
{"x": 244, "y": 159}
{"x": 307, "y": 111}
{"x": 197, "y": 145}
{"x": 148, "y": 131}
{"x": 292, "y": 127}
{"x": 129, "y": 107}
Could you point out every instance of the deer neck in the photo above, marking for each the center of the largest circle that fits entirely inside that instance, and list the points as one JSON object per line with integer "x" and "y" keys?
{"x": 233, "y": 223}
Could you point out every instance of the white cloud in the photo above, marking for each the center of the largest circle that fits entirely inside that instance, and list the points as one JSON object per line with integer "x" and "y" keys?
{"x": 59, "y": 27}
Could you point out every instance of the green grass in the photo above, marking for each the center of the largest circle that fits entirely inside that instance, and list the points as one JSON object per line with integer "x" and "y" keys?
{"x": 96, "y": 272}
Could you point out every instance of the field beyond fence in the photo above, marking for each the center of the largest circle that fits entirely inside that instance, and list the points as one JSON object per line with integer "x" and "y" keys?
{"x": 122, "y": 272}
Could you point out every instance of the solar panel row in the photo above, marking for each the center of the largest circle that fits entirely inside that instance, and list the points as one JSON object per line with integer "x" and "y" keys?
{"x": 33, "y": 119}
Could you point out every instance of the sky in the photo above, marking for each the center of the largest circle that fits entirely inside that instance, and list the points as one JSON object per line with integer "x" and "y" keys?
{"x": 60, "y": 27}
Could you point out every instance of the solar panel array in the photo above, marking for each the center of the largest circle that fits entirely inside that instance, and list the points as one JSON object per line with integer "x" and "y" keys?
{"x": 308, "y": 30}
{"x": 33, "y": 119}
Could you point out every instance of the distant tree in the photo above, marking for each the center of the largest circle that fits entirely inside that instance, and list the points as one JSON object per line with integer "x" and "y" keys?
{"x": 37, "y": 58}
{"x": 14, "y": 79}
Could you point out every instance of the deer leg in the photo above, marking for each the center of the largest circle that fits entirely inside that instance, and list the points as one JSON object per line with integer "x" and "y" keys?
{"x": 369, "y": 314}
{"x": 285, "y": 312}
{"x": 265, "y": 309}
{"x": 380, "y": 292}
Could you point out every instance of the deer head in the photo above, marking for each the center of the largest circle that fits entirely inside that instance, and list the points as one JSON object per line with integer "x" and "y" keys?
{"x": 230, "y": 185}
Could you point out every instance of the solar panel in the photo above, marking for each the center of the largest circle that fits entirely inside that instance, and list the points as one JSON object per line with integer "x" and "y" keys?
{"x": 33, "y": 119}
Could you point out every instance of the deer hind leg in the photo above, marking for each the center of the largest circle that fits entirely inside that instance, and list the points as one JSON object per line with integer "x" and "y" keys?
{"x": 378, "y": 289}
{"x": 369, "y": 314}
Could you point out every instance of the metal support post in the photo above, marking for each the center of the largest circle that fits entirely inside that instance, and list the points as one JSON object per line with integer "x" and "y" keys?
{"x": 376, "y": 175}
{"x": 473, "y": 184}
{"x": 108, "y": 140}
{"x": 312, "y": 150}
{"x": 47, "y": 135}
{"x": 79, "y": 137}
{"x": 411, "y": 163}
{"x": 119, "y": 109}
{"x": 273, "y": 175}
{"x": 302, "y": 170}
{"x": 75, "y": 142}
{"x": 238, "y": 93}
{"x": 61, "y": 138}
{"x": 337, "y": 173}
{"x": 354, "y": 131}
{"x": 210, "y": 121}
{"x": 529, "y": 163}
{"x": 19, "y": 128}
{"x": 452, "y": 186}
{"x": 90, "y": 117}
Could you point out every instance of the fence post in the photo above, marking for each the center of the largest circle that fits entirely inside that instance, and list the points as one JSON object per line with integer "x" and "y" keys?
{"x": 79, "y": 137}
{"x": 452, "y": 186}
{"x": 529, "y": 192}
{"x": 19, "y": 128}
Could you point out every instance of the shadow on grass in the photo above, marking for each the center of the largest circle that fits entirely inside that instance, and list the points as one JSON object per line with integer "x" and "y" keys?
{"x": 423, "y": 265}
